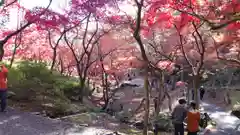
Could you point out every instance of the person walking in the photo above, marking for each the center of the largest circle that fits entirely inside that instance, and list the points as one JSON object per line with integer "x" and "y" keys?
{"x": 3, "y": 86}
{"x": 192, "y": 91}
{"x": 202, "y": 92}
{"x": 193, "y": 119}
{"x": 178, "y": 116}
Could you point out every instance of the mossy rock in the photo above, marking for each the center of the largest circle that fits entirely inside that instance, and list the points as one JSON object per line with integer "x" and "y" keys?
{"x": 123, "y": 116}
{"x": 11, "y": 94}
{"x": 163, "y": 122}
{"x": 21, "y": 95}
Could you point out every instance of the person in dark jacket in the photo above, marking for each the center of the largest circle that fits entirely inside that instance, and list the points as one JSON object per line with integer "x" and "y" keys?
{"x": 193, "y": 93}
{"x": 178, "y": 116}
{"x": 202, "y": 92}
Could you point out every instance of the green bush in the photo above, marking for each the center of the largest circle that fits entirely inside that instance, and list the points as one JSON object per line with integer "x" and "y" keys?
{"x": 164, "y": 122}
{"x": 67, "y": 85}
{"x": 29, "y": 79}
{"x": 34, "y": 74}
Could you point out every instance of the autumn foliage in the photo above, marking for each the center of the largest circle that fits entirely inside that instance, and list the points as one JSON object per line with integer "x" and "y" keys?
{"x": 168, "y": 23}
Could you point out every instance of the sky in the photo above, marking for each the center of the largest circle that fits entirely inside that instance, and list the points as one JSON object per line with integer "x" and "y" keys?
{"x": 56, "y": 5}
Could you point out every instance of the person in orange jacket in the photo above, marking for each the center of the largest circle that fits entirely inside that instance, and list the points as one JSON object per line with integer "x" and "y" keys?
{"x": 3, "y": 86}
{"x": 193, "y": 119}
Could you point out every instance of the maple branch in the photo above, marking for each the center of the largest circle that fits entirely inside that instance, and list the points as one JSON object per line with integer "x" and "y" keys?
{"x": 90, "y": 40}
{"x": 86, "y": 52}
{"x": 160, "y": 53}
{"x": 182, "y": 48}
{"x": 86, "y": 30}
{"x": 70, "y": 46}
{"x": 9, "y": 4}
{"x": 138, "y": 3}
{"x": 202, "y": 51}
{"x": 89, "y": 53}
{"x": 49, "y": 39}
{"x": 232, "y": 60}
{"x": 154, "y": 45}
{"x": 212, "y": 25}
{"x": 136, "y": 33}
{"x": 2, "y": 42}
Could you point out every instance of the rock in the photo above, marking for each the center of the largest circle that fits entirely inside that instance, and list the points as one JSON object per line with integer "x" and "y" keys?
{"x": 84, "y": 125}
{"x": 10, "y": 94}
{"x": 139, "y": 125}
{"x": 236, "y": 110}
{"x": 236, "y": 107}
{"x": 123, "y": 116}
{"x": 36, "y": 113}
{"x": 123, "y": 85}
{"x": 114, "y": 133}
{"x": 236, "y": 113}
{"x": 163, "y": 123}
{"x": 19, "y": 95}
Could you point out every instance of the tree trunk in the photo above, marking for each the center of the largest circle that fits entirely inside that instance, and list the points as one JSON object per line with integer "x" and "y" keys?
{"x": 227, "y": 96}
{"x": 54, "y": 58}
{"x": 1, "y": 52}
{"x": 188, "y": 95}
{"x": 81, "y": 90}
{"x": 169, "y": 101}
{"x": 173, "y": 82}
{"x": 61, "y": 65}
{"x": 147, "y": 102}
{"x": 13, "y": 56}
{"x": 137, "y": 37}
{"x": 196, "y": 79}
{"x": 160, "y": 89}
{"x": 105, "y": 91}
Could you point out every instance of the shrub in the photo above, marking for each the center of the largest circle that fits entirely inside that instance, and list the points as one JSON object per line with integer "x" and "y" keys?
{"x": 163, "y": 122}
{"x": 34, "y": 76}
{"x": 29, "y": 78}
{"x": 31, "y": 81}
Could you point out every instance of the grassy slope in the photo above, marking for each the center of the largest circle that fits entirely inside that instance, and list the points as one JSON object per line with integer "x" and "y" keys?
{"x": 36, "y": 89}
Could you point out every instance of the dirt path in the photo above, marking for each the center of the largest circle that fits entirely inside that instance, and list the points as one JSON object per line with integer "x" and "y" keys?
{"x": 20, "y": 123}
{"x": 131, "y": 97}
{"x": 14, "y": 122}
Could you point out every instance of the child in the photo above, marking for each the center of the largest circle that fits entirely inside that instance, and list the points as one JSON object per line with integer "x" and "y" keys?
{"x": 204, "y": 121}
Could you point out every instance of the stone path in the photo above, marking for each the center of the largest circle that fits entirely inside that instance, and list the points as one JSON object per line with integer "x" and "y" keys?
{"x": 226, "y": 123}
{"x": 22, "y": 123}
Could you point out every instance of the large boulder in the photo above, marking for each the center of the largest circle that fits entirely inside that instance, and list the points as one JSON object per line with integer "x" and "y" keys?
{"x": 236, "y": 110}
{"x": 139, "y": 125}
